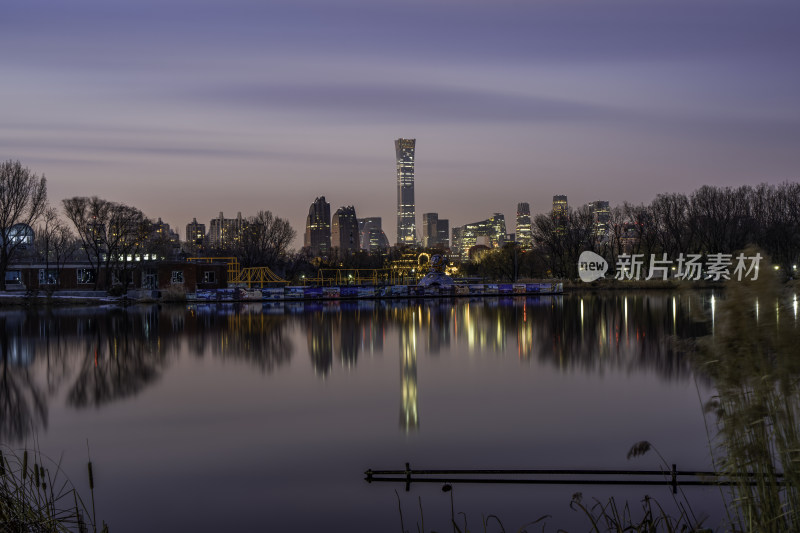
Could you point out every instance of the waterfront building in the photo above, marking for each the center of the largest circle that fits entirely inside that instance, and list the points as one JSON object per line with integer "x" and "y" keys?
{"x": 406, "y": 209}
{"x": 373, "y": 239}
{"x": 225, "y": 232}
{"x": 344, "y": 230}
{"x": 318, "y": 228}
{"x": 523, "y": 232}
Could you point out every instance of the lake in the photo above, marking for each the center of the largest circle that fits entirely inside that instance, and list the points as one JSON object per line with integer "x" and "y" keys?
{"x": 214, "y": 417}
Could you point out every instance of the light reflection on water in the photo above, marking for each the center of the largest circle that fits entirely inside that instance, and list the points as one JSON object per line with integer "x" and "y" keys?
{"x": 312, "y": 391}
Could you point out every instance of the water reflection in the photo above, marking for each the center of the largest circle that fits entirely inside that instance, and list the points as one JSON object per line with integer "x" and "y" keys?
{"x": 99, "y": 356}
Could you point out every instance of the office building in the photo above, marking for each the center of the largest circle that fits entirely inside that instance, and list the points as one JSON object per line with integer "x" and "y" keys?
{"x": 406, "y": 209}
{"x": 560, "y": 212}
{"x": 435, "y": 231}
{"x": 490, "y": 232}
{"x": 373, "y": 239}
{"x": 523, "y": 231}
{"x": 602, "y": 218}
{"x": 344, "y": 230}
{"x": 318, "y": 228}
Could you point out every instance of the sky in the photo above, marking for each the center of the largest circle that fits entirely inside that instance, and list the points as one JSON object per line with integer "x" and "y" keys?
{"x": 186, "y": 108}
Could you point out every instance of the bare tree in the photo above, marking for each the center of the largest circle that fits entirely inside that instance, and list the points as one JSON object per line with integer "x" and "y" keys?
{"x": 265, "y": 239}
{"x": 110, "y": 232}
{"x": 55, "y": 244}
{"x": 23, "y": 199}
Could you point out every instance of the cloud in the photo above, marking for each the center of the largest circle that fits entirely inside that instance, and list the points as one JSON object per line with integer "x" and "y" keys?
{"x": 411, "y": 103}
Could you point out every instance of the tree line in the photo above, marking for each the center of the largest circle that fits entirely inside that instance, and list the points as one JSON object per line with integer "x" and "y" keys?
{"x": 106, "y": 234}
{"x": 710, "y": 220}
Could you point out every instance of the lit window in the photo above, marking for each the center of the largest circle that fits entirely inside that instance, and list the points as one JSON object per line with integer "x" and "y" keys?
{"x": 86, "y": 275}
{"x": 177, "y": 276}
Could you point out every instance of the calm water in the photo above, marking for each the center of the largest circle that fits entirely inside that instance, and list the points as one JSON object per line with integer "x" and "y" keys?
{"x": 264, "y": 417}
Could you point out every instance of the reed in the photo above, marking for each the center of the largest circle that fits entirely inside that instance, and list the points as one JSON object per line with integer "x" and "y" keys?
{"x": 36, "y": 497}
{"x": 752, "y": 359}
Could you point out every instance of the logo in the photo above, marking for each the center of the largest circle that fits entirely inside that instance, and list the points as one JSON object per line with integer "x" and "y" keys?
{"x": 591, "y": 266}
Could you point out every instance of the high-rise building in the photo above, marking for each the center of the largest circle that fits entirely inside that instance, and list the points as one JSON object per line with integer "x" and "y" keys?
{"x": 195, "y": 235}
{"x": 225, "y": 232}
{"x": 435, "y": 231}
{"x": 318, "y": 228}
{"x": 560, "y": 212}
{"x": 523, "y": 232}
{"x": 373, "y": 239}
{"x": 406, "y": 209}
{"x": 602, "y": 217}
{"x": 443, "y": 233}
{"x": 430, "y": 229}
{"x": 344, "y": 230}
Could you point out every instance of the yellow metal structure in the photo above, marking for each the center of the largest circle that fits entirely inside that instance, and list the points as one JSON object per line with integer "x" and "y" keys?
{"x": 238, "y": 276}
{"x": 257, "y": 275}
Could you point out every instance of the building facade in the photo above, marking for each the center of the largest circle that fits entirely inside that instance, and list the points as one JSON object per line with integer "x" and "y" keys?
{"x": 318, "y": 228}
{"x": 406, "y": 208}
{"x": 344, "y": 230}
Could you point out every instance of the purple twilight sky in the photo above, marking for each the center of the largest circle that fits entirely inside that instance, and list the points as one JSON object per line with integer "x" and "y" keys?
{"x": 185, "y": 108}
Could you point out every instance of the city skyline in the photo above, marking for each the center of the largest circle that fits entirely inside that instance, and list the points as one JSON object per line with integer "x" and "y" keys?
{"x": 187, "y": 109}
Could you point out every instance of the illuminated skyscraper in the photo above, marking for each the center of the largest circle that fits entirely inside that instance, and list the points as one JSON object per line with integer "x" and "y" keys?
{"x": 523, "y": 230}
{"x": 602, "y": 217}
{"x": 406, "y": 209}
{"x": 318, "y": 228}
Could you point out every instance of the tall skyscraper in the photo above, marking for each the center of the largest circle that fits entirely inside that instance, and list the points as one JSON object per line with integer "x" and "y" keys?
{"x": 523, "y": 231}
{"x": 344, "y": 229}
{"x": 560, "y": 212}
{"x": 318, "y": 228}
{"x": 406, "y": 209}
{"x": 602, "y": 217}
{"x": 443, "y": 231}
{"x": 430, "y": 229}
